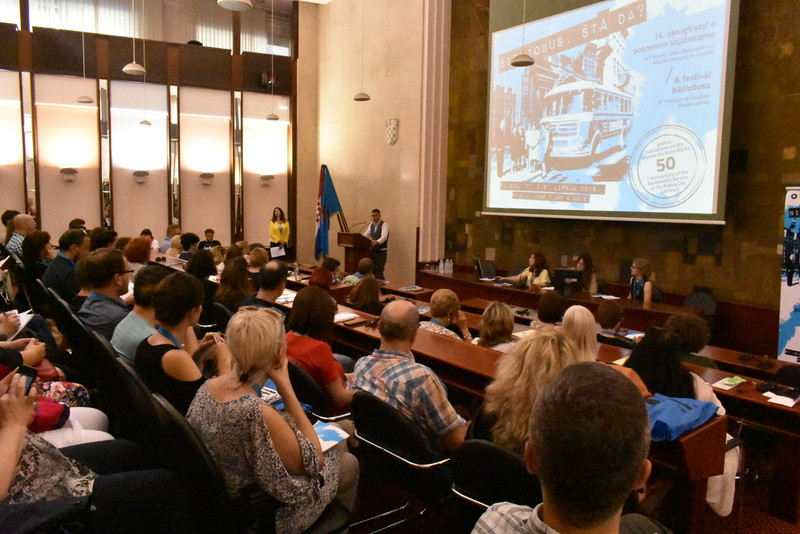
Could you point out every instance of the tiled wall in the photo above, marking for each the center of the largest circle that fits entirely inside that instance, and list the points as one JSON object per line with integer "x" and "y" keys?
{"x": 739, "y": 261}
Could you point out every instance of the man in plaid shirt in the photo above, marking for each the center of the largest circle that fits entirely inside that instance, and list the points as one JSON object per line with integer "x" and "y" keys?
{"x": 391, "y": 374}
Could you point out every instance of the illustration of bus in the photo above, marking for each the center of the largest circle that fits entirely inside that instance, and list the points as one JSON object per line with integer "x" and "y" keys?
{"x": 583, "y": 119}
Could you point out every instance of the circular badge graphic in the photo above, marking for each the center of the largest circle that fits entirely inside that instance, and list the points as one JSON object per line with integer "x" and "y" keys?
{"x": 667, "y": 166}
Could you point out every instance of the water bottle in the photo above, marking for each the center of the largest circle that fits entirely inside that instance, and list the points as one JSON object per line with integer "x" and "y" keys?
{"x": 441, "y": 266}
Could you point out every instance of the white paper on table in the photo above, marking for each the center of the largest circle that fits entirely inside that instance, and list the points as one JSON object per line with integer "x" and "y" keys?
{"x": 346, "y": 316}
{"x": 609, "y": 297}
{"x": 779, "y": 399}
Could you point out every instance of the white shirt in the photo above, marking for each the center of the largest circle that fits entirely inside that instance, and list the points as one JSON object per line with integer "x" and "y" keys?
{"x": 384, "y": 232}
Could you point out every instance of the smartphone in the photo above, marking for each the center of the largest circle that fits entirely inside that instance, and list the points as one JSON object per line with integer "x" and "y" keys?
{"x": 30, "y": 374}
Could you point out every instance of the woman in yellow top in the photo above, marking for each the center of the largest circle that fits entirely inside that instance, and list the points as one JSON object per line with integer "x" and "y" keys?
{"x": 278, "y": 230}
{"x": 535, "y": 275}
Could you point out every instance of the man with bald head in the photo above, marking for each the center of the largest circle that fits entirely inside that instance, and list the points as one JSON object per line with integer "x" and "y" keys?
{"x": 391, "y": 374}
{"x": 23, "y": 225}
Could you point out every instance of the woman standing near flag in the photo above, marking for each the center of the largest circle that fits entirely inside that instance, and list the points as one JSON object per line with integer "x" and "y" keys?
{"x": 278, "y": 231}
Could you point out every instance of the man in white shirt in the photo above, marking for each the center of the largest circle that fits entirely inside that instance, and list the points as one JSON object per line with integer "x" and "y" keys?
{"x": 378, "y": 234}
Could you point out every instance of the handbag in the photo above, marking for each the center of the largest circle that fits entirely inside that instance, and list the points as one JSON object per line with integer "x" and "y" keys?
{"x": 671, "y": 417}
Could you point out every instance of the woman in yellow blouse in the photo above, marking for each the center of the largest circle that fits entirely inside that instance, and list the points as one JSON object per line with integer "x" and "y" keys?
{"x": 278, "y": 229}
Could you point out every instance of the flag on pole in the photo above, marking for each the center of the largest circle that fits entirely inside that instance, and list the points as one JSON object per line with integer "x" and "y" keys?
{"x": 327, "y": 206}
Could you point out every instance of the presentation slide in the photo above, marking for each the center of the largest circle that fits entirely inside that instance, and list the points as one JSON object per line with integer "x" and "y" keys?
{"x": 622, "y": 116}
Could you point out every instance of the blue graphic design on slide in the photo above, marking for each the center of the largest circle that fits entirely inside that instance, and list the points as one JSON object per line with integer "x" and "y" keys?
{"x": 789, "y": 319}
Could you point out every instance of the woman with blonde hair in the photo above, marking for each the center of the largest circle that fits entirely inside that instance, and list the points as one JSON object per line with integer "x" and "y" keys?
{"x": 641, "y": 286}
{"x": 447, "y": 318}
{"x": 521, "y": 374}
{"x": 579, "y": 326}
{"x": 175, "y": 247}
{"x": 497, "y": 327}
{"x": 254, "y": 443}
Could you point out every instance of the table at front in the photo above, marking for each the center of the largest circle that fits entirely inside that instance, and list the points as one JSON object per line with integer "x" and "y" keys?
{"x": 638, "y": 316}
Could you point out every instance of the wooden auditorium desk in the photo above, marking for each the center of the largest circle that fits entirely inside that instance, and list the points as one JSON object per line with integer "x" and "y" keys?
{"x": 638, "y": 316}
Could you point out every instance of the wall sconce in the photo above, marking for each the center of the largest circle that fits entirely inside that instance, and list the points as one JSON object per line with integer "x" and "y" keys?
{"x": 206, "y": 177}
{"x": 141, "y": 176}
{"x": 68, "y": 173}
{"x": 266, "y": 179}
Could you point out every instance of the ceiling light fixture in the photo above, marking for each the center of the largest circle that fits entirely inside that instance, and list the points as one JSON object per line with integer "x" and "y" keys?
{"x": 272, "y": 78}
{"x": 84, "y": 99}
{"x": 523, "y": 59}
{"x": 361, "y": 96}
{"x": 133, "y": 68}
{"x": 235, "y": 5}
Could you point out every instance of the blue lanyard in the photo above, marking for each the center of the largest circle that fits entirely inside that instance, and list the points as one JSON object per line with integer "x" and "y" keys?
{"x": 437, "y": 321}
{"x": 164, "y": 332}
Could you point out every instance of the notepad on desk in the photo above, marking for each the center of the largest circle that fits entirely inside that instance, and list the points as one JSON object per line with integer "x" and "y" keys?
{"x": 728, "y": 383}
{"x": 346, "y": 316}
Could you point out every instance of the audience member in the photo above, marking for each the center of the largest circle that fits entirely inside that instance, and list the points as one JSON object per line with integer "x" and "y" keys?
{"x": 137, "y": 252}
{"x": 164, "y": 360}
{"x": 333, "y": 266}
{"x": 364, "y": 268}
{"x": 109, "y": 276}
{"x": 60, "y": 274}
{"x": 551, "y": 309}
{"x": 321, "y": 277}
{"x": 521, "y": 374}
{"x": 657, "y": 361}
{"x": 447, "y": 318}
{"x": 141, "y": 322}
{"x": 609, "y": 315}
{"x": 122, "y": 242}
{"x": 496, "y": 327}
{"x": 146, "y": 232}
{"x": 273, "y": 283}
{"x": 23, "y": 225}
{"x": 233, "y": 251}
{"x": 172, "y": 231}
{"x": 258, "y": 258}
{"x": 366, "y": 296}
{"x": 641, "y": 286}
{"x": 209, "y": 242}
{"x": 32, "y": 470}
{"x": 391, "y": 374}
{"x": 37, "y": 252}
{"x": 307, "y": 344}
{"x": 77, "y": 224}
{"x": 578, "y": 326}
{"x": 255, "y": 444}
{"x": 102, "y": 238}
{"x": 234, "y": 284}
{"x": 692, "y": 333}
{"x": 175, "y": 248}
{"x": 85, "y": 288}
{"x": 189, "y": 244}
{"x": 7, "y": 216}
{"x": 588, "y": 467}
{"x": 202, "y": 266}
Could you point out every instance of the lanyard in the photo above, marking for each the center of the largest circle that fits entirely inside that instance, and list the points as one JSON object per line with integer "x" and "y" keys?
{"x": 164, "y": 332}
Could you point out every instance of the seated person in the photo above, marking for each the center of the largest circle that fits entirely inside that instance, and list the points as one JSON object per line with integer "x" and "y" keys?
{"x": 32, "y": 470}
{"x": 189, "y": 244}
{"x": 641, "y": 286}
{"x": 234, "y": 284}
{"x": 497, "y": 327}
{"x": 210, "y": 242}
{"x": 108, "y": 274}
{"x": 254, "y": 443}
{"x": 60, "y": 274}
{"x": 164, "y": 360}
{"x": 364, "y": 268}
{"x": 585, "y": 265}
{"x": 366, "y": 296}
{"x": 233, "y": 251}
{"x": 326, "y": 274}
{"x": 258, "y": 258}
{"x": 693, "y": 334}
{"x": 172, "y": 231}
{"x": 332, "y": 265}
{"x": 141, "y": 322}
{"x": 201, "y": 266}
{"x": 521, "y": 374}
{"x": 273, "y": 282}
{"x": 137, "y": 252}
{"x": 82, "y": 277}
{"x": 447, "y": 318}
{"x": 657, "y": 360}
{"x": 584, "y": 486}
{"x": 175, "y": 248}
{"x": 550, "y": 311}
{"x": 391, "y": 374}
{"x": 37, "y": 252}
{"x": 100, "y": 237}
{"x": 536, "y": 274}
{"x": 310, "y": 328}
{"x": 146, "y": 232}
{"x": 609, "y": 315}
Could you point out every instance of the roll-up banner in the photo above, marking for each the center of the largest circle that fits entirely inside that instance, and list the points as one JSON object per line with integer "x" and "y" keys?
{"x": 789, "y": 319}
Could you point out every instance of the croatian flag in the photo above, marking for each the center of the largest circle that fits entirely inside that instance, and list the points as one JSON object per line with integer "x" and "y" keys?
{"x": 327, "y": 205}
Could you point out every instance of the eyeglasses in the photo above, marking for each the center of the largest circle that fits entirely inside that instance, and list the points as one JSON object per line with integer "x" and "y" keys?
{"x": 126, "y": 272}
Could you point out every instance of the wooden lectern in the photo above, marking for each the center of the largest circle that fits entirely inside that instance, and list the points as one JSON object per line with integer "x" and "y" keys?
{"x": 356, "y": 246}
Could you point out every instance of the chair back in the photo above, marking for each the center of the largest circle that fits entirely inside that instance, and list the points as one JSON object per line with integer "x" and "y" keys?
{"x": 788, "y": 375}
{"x": 395, "y": 448}
{"x": 485, "y": 473}
{"x": 77, "y": 335}
{"x": 309, "y": 392}
{"x": 220, "y": 314}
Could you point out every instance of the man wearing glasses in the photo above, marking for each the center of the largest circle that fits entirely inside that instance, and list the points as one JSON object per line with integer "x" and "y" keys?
{"x": 108, "y": 274}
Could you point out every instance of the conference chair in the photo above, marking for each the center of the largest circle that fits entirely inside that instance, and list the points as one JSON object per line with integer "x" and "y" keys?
{"x": 311, "y": 393}
{"x": 703, "y": 301}
{"x": 393, "y": 448}
{"x": 485, "y": 473}
{"x": 220, "y": 314}
{"x": 213, "y": 508}
{"x": 77, "y": 335}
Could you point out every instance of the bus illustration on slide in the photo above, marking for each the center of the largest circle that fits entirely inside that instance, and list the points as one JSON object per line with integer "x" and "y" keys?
{"x": 584, "y": 119}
